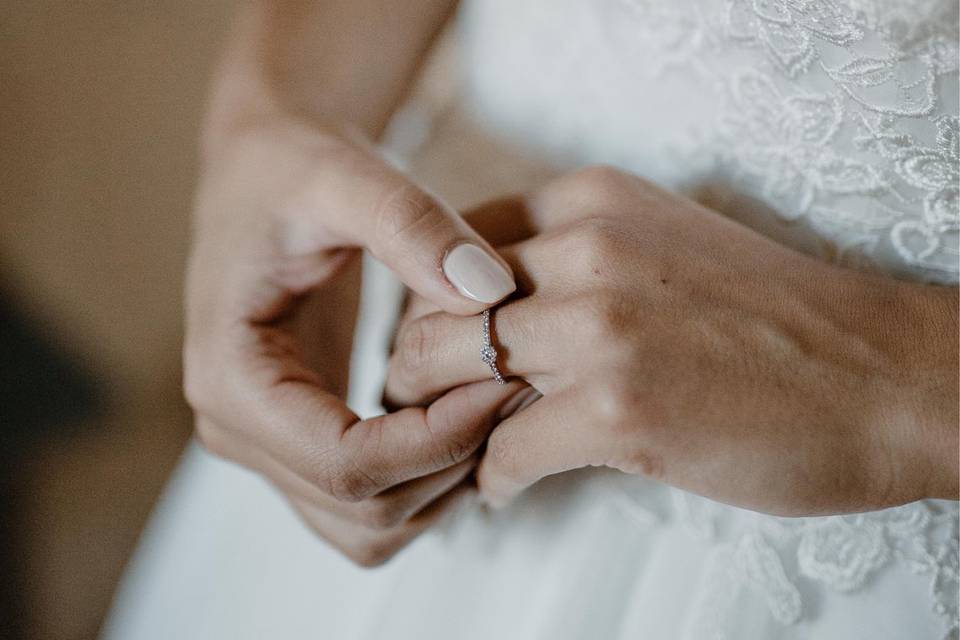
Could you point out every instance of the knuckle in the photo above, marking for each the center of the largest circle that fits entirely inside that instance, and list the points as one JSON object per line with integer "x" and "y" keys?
{"x": 454, "y": 451}
{"x": 459, "y": 449}
{"x": 320, "y": 467}
{"x": 592, "y": 243}
{"x": 350, "y": 483}
{"x": 416, "y": 347}
{"x": 502, "y": 454}
{"x": 600, "y": 185}
{"x": 383, "y": 513}
{"x": 404, "y": 210}
{"x": 452, "y": 439}
{"x": 616, "y": 402}
{"x": 601, "y": 177}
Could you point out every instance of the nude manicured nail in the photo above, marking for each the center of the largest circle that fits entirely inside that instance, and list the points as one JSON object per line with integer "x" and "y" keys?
{"x": 476, "y": 274}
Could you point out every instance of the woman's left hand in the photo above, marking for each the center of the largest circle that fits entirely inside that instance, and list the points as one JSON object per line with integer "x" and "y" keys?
{"x": 672, "y": 342}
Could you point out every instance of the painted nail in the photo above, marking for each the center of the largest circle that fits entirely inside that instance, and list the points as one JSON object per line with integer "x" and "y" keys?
{"x": 476, "y": 274}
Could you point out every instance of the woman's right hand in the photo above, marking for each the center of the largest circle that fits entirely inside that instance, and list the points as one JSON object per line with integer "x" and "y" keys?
{"x": 282, "y": 210}
{"x": 285, "y": 205}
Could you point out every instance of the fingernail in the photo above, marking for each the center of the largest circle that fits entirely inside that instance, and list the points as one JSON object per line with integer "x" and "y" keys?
{"x": 476, "y": 274}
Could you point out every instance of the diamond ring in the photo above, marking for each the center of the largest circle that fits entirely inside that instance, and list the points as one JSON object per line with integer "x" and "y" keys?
{"x": 488, "y": 353}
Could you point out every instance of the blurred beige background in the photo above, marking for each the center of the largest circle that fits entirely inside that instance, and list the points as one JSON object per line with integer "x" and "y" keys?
{"x": 98, "y": 116}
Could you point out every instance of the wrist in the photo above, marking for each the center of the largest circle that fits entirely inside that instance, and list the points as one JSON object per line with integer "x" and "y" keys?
{"x": 249, "y": 92}
{"x": 890, "y": 350}
{"x": 931, "y": 376}
{"x": 917, "y": 326}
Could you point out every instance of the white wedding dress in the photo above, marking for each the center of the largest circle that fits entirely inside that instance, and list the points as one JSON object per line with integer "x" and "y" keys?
{"x": 830, "y": 125}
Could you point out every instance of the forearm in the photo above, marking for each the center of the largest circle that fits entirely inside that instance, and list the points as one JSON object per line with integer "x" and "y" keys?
{"x": 332, "y": 63}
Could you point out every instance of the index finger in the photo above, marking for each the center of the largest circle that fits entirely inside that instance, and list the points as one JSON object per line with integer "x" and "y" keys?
{"x": 320, "y": 439}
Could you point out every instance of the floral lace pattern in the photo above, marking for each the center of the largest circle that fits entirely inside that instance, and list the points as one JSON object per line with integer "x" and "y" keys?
{"x": 841, "y": 123}
{"x": 838, "y": 115}
{"x": 771, "y": 558}
{"x": 880, "y": 75}
{"x": 841, "y": 553}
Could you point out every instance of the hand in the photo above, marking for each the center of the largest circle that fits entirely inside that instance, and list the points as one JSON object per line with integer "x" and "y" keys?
{"x": 671, "y": 342}
{"x": 286, "y": 203}
{"x": 281, "y": 214}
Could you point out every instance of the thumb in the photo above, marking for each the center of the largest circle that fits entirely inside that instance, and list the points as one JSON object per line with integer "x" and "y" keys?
{"x": 435, "y": 252}
{"x": 423, "y": 241}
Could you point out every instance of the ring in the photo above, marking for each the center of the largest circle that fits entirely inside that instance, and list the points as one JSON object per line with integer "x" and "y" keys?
{"x": 488, "y": 353}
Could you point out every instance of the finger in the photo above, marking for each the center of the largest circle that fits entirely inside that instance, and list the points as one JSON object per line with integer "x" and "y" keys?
{"x": 554, "y": 261}
{"x": 404, "y": 501}
{"x": 503, "y": 221}
{"x": 440, "y": 351}
{"x": 535, "y": 266}
{"x": 384, "y": 510}
{"x": 589, "y": 192}
{"x": 556, "y": 433}
{"x": 414, "y": 306}
{"x": 514, "y": 219}
{"x": 425, "y": 242}
{"x": 280, "y": 404}
{"x": 541, "y": 217}
{"x": 417, "y": 307}
{"x": 559, "y": 269}
{"x": 372, "y": 547}
{"x": 384, "y": 451}
{"x": 506, "y": 224}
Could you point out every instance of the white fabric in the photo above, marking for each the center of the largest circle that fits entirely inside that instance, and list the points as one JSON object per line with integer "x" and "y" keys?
{"x": 830, "y": 125}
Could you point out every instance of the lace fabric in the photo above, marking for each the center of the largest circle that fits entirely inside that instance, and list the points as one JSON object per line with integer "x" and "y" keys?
{"x": 841, "y": 117}
{"x": 872, "y": 154}
{"x": 838, "y": 554}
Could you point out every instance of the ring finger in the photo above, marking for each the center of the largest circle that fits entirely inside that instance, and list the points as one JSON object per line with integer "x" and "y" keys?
{"x": 440, "y": 351}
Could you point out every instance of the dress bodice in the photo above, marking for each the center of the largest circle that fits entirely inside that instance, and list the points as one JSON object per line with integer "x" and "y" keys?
{"x": 830, "y": 124}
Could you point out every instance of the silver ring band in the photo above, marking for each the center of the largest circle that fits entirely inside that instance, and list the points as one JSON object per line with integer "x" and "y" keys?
{"x": 488, "y": 353}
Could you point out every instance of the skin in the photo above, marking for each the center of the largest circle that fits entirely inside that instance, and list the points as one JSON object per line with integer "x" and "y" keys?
{"x": 290, "y": 194}
{"x": 670, "y": 342}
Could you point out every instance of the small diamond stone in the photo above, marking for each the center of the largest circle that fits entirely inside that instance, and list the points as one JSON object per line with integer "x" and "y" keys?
{"x": 488, "y": 354}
